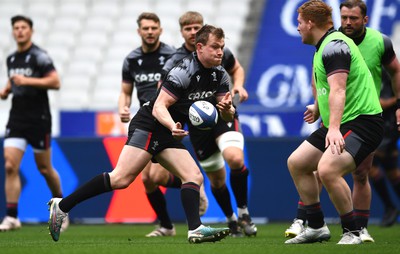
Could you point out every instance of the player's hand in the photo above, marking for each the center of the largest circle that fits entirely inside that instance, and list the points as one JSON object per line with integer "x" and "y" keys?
{"x": 243, "y": 95}
{"x": 125, "y": 114}
{"x": 178, "y": 132}
{"x": 19, "y": 80}
{"x": 335, "y": 141}
{"x": 226, "y": 108}
{"x": 225, "y": 104}
{"x": 4, "y": 94}
{"x": 311, "y": 114}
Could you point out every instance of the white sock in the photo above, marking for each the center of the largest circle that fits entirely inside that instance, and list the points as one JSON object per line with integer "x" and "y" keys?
{"x": 242, "y": 211}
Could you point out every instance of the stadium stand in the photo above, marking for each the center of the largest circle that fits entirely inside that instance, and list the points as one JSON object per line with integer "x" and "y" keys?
{"x": 88, "y": 39}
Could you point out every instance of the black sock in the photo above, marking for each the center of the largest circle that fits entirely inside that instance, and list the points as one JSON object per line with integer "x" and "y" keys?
{"x": 98, "y": 185}
{"x": 361, "y": 217}
{"x": 301, "y": 212}
{"x": 315, "y": 216}
{"x": 157, "y": 201}
{"x": 12, "y": 209}
{"x": 238, "y": 180}
{"x": 348, "y": 221}
{"x": 173, "y": 181}
{"x": 380, "y": 186}
{"x": 223, "y": 198}
{"x": 190, "y": 198}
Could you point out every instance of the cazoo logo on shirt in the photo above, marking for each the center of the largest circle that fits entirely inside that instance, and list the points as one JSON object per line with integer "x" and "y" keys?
{"x": 20, "y": 71}
{"x": 200, "y": 95}
{"x": 149, "y": 77}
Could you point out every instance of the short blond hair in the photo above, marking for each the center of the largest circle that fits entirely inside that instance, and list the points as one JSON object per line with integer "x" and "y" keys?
{"x": 191, "y": 17}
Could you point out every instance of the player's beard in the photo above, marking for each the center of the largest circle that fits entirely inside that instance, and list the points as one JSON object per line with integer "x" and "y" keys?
{"x": 354, "y": 33}
{"x": 151, "y": 44}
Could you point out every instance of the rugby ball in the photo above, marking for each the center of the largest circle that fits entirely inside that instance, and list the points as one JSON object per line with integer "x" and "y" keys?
{"x": 203, "y": 115}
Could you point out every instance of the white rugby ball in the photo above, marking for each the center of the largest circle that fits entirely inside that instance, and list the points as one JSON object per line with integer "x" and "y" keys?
{"x": 203, "y": 115}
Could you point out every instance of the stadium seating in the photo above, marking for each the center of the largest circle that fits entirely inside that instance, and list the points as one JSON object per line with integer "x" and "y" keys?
{"x": 88, "y": 39}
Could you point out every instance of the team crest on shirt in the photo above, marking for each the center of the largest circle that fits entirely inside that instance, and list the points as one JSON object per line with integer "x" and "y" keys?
{"x": 140, "y": 61}
{"x": 214, "y": 76}
{"x": 229, "y": 124}
{"x": 27, "y": 58}
{"x": 198, "y": 78}
{"x": 12, "y": 59}
{"x": 162, "y": 60}
{"x": 155, "y": 144}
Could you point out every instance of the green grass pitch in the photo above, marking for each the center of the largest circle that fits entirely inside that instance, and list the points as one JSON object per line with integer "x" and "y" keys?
{"x": 129, "y": 238}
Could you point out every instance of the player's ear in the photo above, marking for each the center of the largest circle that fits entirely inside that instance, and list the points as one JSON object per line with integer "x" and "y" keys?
{"x": 199, "y": 46}
{"x": 366, "y": 19}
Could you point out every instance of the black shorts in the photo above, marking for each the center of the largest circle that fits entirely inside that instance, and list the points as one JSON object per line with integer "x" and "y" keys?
{"x": 203, "y": 141}
{"x": 38, "y": 137}
{"x": 150, "y": 136}
{"x": 362, "y": 136}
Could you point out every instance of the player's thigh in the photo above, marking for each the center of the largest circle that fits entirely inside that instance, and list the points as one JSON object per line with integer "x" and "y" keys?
{"x": 304, "y": 159}
{"x": 180, "y": 163}
{"x": 131, "y": 162}
{"x": 14, "y": 147}
{"x": 332, "y": 165}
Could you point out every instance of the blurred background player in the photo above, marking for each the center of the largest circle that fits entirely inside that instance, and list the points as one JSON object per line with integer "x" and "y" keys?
{"x": 142, "y": 69}
{"x": 224, "y": 141}
{"x": 31, "y": 73}
{"x": 386, "y": 156}
{"x": 377, "y": 50}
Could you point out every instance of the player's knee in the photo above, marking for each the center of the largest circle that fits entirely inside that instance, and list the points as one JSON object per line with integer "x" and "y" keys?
{"x": 121, "y": 181}
{"x": 234, "y": 161}
{"x": 327, "y": 176}
{"x": 292, "y": 164}
{"x": 148, "y": 182}
{"x": 160, "y": 177}
{"x": 360, "y": 177}
{"x": 45, "y": 170}
{"x": 217, "y": 182}
{"x": 10, "y": 167}
{"x": 213, "y": 163}
{"x": 199, "y": 178}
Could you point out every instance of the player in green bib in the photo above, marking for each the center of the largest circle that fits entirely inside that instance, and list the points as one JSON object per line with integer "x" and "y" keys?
{"x": 352, "y": 124}
{"x": 377, "y": 51}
